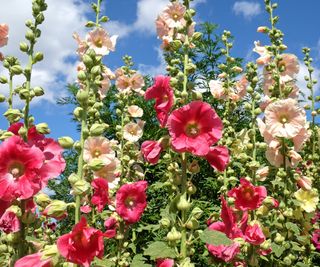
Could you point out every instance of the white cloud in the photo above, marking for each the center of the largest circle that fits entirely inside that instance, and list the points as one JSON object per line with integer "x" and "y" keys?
{"x": 154, "y": 70}
{"x": 62, "y": 18}
{"x": 302, "y": 84}
{"x": 246, "y": 9}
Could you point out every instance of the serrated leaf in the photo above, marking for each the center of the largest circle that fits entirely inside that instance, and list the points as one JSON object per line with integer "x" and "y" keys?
{"x": 159, "y": 249}
{"x": 139, "y": 261}
{"x": 215, "y": 238}
{"x": 293, "y": 227}
{"x": 277, "y": 250}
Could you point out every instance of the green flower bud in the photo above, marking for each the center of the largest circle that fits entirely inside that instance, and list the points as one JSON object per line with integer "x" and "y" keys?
{"x": 6, "y": 135}
{"x": 82, "y": 96}
{"x": 66, "y": 142}
{"x": 2, "y": 98}
{"x": 42, "y": 199}
{"x": 279, "y": 238}
{"x": 96, "y": 70}
{"x": 16, "y": 69}
{"x": 183, "y": 203}
{"x": 43, "y": 128}
{"x": 38, "y": 91}
{"x": 30, "y": 36}
{"x": 197, "y": 36}
{"x": 176, "y": 45}
{"x": 13, "y": 115}
{"x": 56, "y": 208}
{"x": 24, "y": 93}
{"x": 165, "y": 222}
{"x": 87, "y": 60}
{"x": 82, "y": 75}
{"x": 40, "y": 18}
{"x": 98, "y": 129}
{"x": 192, "y": 224}
{"x": 38, "y": 57}
{"x": 3, "y": 80}
{"x": 96, "y": 164}
{"x": 78, "y": 112}
{"x": 80, "y": 187}
{"x": 173, "y": 235}
{"x": 24, "y": 47}
{"x": 73, "y": 178}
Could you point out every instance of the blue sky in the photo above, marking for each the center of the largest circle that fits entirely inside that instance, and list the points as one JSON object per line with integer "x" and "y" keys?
{"x": 133, "y": 20}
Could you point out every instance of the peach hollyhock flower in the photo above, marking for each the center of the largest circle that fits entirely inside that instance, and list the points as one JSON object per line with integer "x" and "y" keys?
{"x": 265, "y": 55}
{"x": 105, "y": 86}
{"x": 290, "y": 64}
{"x": 131, "y": 201}
{"x": 305, "y": 182}
{"x": 136, "y": 82}
{"x": 274, "y": 156}
{"x": 262, "y": 173}
{"x": 98, "y": 148}
{"x": 82, "y": 45}
{"x": 217, "y": 89}
{"x": 265, "y": 102}
{"x": 294, "y": 157}
{"x": 194, "y": 128}
{"x": 162, "y": 27}
{"x": 135, "y": 111}
{"x": 173, "y": 15}
{"x": 4, "y": 31}
{"x": 119, "y": 72}
{"x": 109, "y": 171}
{"x": 133, "y": 131}
{"x": 308, "y": 199}
{"x": 123, "y": 83}
{"x": 82, "y": 244}
{"x": 241, "y": 87}
{"x": 100, "y": 41}
{"x": 300, "y": 139}
{"x": 247, "y": 196}
{"x": 284, "y": 118}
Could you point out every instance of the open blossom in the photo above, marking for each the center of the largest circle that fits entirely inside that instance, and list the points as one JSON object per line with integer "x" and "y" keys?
{"x": 308, "y": 199}
{"x": 151, "y": 151}
{"x": 135, "y": 111}
{"x": 216, "y": 89}
{"x": 162, "y": 27}
{"x": 82, "y": 244}
{"x": 131, "y": 201}
{"x": 9, "y": 222}
{"x": 100, "y": 196}
{"x": 162, "y": 92}
{"x": 98, "y": 148}
{"x": 247, "y": 196}
{"x": 82, "y": 44}
{"x": 100, "y": 41}
{"x": 265, "y": 55}
{"x": 218, "y": 157}
{"x": 194, "y": 128}
{"x": 284, "y": 118}
{"x": 254, "y": 235}
{"x": 111, "y": 225}
{"x": 133, "y": 131}
{"x": 316, "y": 239}
{"x": 173, "y": 15}
{"x": 34, "y": 260}
{"x": 305, "y": 182}
{"x": 290, "y": 64}
{"x": 4, "y": 31}
{"x": 165, "y": 263}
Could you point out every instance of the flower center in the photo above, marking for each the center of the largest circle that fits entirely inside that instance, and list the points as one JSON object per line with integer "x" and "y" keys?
{"x": 130, "y": 202}
{"x": 192, "y": 130}
{"x": 247, "y": 193}
{"x": 175, "y": 16}
{"x": 99, "y": 43}
{"x": 283, "y": 119}
{"x": 16, "y": 169}
{"x": 97, "y": 153}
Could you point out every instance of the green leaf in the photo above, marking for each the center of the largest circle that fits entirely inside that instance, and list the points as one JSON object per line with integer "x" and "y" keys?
{"x": 103, "y": 263}
{"x": 301, "y": 264}
{"x": 138, "y": 261}
{"x": 159, "y": 249}
{"x": 277, "y": 250}
{"x": 215, "y": 238}
{"x": 157, "y": 185}
{"x": 297, "y": 247}
{"x": 293, "y": 227}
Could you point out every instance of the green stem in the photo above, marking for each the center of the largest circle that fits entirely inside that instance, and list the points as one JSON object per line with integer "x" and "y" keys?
{"x": 98, "y": 13}
{"x": 11, "y": 91}
{"x": 183, "y": 245}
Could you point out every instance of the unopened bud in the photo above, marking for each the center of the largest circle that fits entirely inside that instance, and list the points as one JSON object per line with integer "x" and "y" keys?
{"x": 66, "y": 142}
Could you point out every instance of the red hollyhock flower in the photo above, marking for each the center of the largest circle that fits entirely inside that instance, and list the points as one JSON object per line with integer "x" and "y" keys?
{"x": 254, "y": 235}
{"x": 316, "y": 239}
{"x": 194, "y": 128}
{"x": 34, "y": 260}
{"x": 111, "y": 225}
{"x": 9, "y": 222}
{"x": 151, "y": 151}
{"x": 162, "y": 92}
{"x": 218, "y": 157}
{"x": 131, "y": 201}
{"x": 247, "y": 196}
{"x": 32, "y": 132}
{"x": 100, "y": 196}
{"x": 20, "y": 166}
{"x": 165, "y": 263}
{"x": 82, "y": 244}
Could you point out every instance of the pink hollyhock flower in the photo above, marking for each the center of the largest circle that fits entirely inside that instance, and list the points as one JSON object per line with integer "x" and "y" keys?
{"x": 3, "y": 206}
{"x": 165, "y": 263}
{"x": 9, "y": 222}
{"x": 274, "y": 156}
{"x": 32, "y": 132}
{"x": 20, "y": 165}
{"x": 216, "y": 89}
{"x": 173, "y": 15}
{"x": 131, "y": 201}
{"x": 247, "y": 196}
{"x": 4, "y": 31}
{"x": 100, "y": 196}
{"x": 262, "y": 173}
{"x": 163, "y": 29}
{"x": 300, "y": 139}
{"x": 294, "y": 158}
{"x": 162, "y": 92}
{"x": 100, "y": 41}
{"x": 85, "y": 209}
{"x": 254, "y": 235}
{"x": 316, "y": 239}
{"x": 218, "y": 157}
{"x": 34, "y": 260}
{"x": 305, "y": 182}
{"x": 111, "y": 225}
{"x": 123, "y": 83}
{"x": 284, "y": 118}
{"x": 194, "y": 128}
{"x": 82, "y": 244}
{"x": 99, "y": 148}
{"x": 82, "y": 44}
{"x": 265, "y": 55}
{"x": 232, "y": 231}
{"x": 151, "y": 151}
{"x": 241, "y": 86}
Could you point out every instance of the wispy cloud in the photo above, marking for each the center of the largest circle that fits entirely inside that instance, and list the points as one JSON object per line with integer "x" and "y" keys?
{"x": 246, "y": 9}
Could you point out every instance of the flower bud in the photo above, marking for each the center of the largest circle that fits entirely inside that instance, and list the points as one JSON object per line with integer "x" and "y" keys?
{"x": 66, "y": 142}
{"x": 43, "y": 128}
{"x": 80, "y": 187}
{"x": 73, "y": 178}
{"x": 82, "y": 96}
{"x": 24, "y": 47}
{"x": 183, "y": 203}
{"x": 30, "y": 35}
{"x": 165, "y": 222}
{"x": 98, "y": 129}
{"x": 3, "y": 80}
{"x": 42, "y": 199}
{"x": 38, "y": 57}
{"x": 38, "y": 91}
{"x": 16, "y": 69}
{"x": 96, "y": 164}
{"x": 192, "y": 224}
{"x": 55, "y": 209}
{"x": 13, "y": 115}
{"x": 174, "y": 235}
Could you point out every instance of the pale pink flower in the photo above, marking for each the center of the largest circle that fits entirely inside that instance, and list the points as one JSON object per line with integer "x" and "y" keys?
{"x": 162, "y": 27}
{"x": 265, "y": 55}
{"x": 100, "y": 41}
{"x": 105, "y": 85}
{"x": 173, "y": 15}
{"x": 133, "y": 131}
{"x": 4, "y": 31}
{"x": 109, "y": 171}
{"x": 108, "y": 72}
{"x": 123, "y": 83}
{"x": 284, "y": 118}
{"x": 274, "y": 156}
{"x": 82, "y": 45}
{"x": 305, "y": 182}
{"x": 294, "y": 158}
{"x": 135, "y": 111}
{"x": 136, "y": 82}
{"x": 119, "y": 72}
{"x": 241, "y": 86}
{"x": 291, "y": 65}
{"x": 300, "y": 139}
{"x": 98, "y": 148}
{"x": 217, "y": 89}
{"x": 265, "y": 102}
{"x": 262, "y": 173}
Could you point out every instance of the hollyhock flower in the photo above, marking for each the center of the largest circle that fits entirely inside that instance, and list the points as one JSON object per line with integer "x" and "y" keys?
{"x": 32, "y": 131}
{"x": 218, "y": 157}
{"x": 98, "y": 148}
{"x": 9, "y": 222}
{"x": 133, "y": 131}
{"x": 216, "y": 89}
{"x": 135, "y": 111}
{"x": 254, "y": 234}
{"x": 165, "y": 263}
{"x": 100, "y": 196}
{"x": 247, "y": 196}
{"x": 131, "y": 201}
{"x": 82, "y": 244}
{"x": 162, "y": 92}
{"x": 262, "y": 173}
{"x": 308, "y": 199}
{"x": 305, "y": 182}
{"x": 301, "y": 138}
{"x": 241, "y": 87}
{"x": 4, "y": 31}
{"x": 151, "y": 151}
{"x": 3, "y": 206}
{"x": 111, "y": 225}
{"x": 265, "y": 102}
{"x": 194, "y": 128}
{"x": 232, "y": 231}
{"x": 284, "y": 118}
{"x": 85, "y": 209}
{"x": 123, "y": 83}
{"x": 136, "y": 82}
{"x": 105, "y": 85}
{"x": 34, "y": 260}
{"x": 173, "y": 15}
{"x": 290, "y": 64}
{"x": 100, "y": 41}
{"x": 316, "y": 239}
{"x": 163, "y": 29}
{"x": 294, "y": 158}
{"x": 82, "y": 45}
{"x": 265, "y": 55}
{"x": 109, "y": 171}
